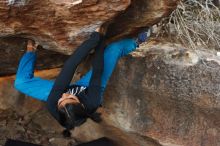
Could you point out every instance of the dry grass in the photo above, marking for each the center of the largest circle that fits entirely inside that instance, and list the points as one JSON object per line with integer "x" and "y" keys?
{"x": 195, "y": 23}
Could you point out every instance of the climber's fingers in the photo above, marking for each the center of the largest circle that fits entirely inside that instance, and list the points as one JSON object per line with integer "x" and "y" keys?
{"x": 32, "y": 45}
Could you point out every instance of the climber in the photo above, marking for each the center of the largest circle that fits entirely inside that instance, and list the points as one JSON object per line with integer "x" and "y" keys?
{"x": 71, "y": 104}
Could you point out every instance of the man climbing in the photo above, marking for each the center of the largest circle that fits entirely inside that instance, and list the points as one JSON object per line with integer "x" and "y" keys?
{"x": 71, "y": 104}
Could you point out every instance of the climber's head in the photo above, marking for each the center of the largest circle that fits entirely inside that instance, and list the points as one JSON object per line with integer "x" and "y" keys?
{"x": 71, "y": 111}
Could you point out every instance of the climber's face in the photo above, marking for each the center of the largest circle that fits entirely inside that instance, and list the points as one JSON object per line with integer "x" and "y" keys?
{"x": 67, "y": 99}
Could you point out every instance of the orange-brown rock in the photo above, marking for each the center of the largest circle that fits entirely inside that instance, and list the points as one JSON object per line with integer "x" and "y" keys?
{"x": 62, "y": 25}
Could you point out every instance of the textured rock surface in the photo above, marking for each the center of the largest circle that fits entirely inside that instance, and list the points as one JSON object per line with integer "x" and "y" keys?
{"x": 163, "y": 91}
{"x": 40, "y": 128}
{"x": 11, "y": 50}
{"x": 168, "y": 93}
{"x": 139, "y": 14}
{"x": 61, "y": 25}
{"x": 28, "y": 128}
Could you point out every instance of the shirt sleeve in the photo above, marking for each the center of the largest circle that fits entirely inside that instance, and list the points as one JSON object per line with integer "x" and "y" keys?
{"x": 35, "y": 87}
{"x": 129, "y": 45}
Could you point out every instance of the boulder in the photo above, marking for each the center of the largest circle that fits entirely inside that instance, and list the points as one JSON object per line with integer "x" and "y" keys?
{"x": 161, "y": 95}
{"x": 61, "y": 25}
{"x": 169, "y": 93}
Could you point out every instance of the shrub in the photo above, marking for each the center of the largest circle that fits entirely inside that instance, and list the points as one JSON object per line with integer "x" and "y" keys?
{"x": 195, "y": 23}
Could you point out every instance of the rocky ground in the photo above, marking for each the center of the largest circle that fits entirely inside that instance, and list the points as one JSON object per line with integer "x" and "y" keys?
{"x": 39, "y": 127}
{"x": 62, "y": 26}
{"x": 33, "y": 127}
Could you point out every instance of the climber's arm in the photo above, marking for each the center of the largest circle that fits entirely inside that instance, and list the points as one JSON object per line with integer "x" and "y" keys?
{"x": 64, "y": 78}
{"x": 92, "y": 97}
{"x": 25, "y": 81}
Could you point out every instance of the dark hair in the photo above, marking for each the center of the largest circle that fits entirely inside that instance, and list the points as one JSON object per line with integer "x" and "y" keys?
{"x": 72, "y": 115}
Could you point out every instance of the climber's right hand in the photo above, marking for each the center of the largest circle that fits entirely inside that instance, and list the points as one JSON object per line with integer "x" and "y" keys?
{"x": 31, "y": 46}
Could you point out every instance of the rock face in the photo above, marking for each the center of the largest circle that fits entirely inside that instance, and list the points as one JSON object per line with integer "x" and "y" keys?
{"x": 161, "y": 95}
{"x": 62, "y": 25}
{"x": 139, "y": 14}
{"x": 12, "y": 49}
{"x": 168, "y": 93}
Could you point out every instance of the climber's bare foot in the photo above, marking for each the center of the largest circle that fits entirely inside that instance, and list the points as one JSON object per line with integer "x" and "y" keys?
{"x": 31, "y": 46}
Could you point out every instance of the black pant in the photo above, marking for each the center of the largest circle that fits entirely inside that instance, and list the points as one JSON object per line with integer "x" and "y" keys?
{"x": 92, "y": 96}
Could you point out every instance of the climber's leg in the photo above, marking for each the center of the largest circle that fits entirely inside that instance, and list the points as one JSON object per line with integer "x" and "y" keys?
{"x": 111, "y": 57}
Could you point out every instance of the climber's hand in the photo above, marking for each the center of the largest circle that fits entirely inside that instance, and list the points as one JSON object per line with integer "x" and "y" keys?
{"x": 97, "y": 29}
{"x": 31, "y": 46}
{"x": 103, "y": 28}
